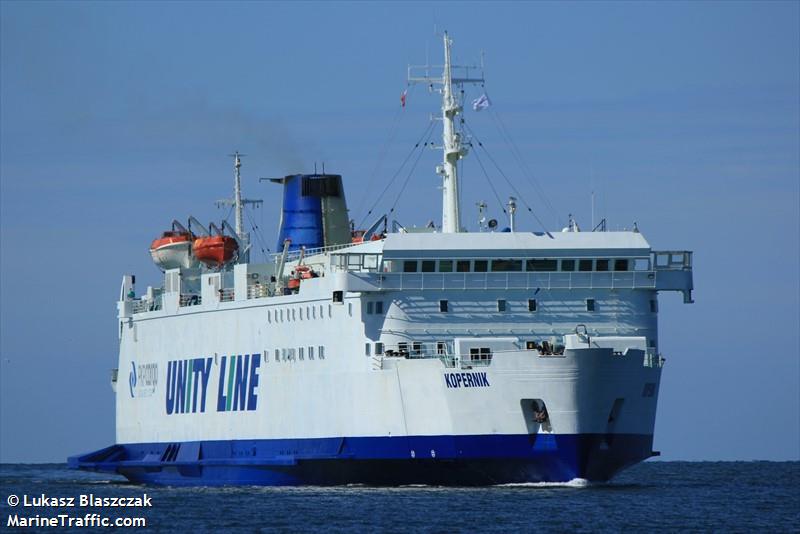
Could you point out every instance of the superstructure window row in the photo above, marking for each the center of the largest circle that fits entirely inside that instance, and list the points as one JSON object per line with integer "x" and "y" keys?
{"x": 514, "y": 265}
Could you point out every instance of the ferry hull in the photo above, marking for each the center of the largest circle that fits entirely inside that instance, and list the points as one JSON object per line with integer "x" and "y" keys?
{"x": 438, "y": 460}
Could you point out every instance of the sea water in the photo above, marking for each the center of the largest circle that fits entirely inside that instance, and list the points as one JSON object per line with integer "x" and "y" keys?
{"x": 661, "y": 496}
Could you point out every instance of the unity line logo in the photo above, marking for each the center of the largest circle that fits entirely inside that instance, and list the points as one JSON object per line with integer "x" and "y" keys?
{"x": 187, "y": 383}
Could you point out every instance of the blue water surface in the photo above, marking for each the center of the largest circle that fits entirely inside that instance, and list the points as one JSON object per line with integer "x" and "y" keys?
{"x": 663, "y": 496}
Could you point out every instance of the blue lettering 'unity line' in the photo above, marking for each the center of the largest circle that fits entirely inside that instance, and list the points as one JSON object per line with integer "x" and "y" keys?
{"x": 170, "y": 387}
{"x": 221, "y": 399}
{"x": 240, "y": 382}
{"x": 252, "y": 398}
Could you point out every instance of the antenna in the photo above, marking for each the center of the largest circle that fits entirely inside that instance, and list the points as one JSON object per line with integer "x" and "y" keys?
{"x": 512, "y": 208}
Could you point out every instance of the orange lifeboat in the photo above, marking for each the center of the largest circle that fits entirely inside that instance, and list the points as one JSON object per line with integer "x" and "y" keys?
{"x": 172, "y": 250}
{"x": 215, "y": 251}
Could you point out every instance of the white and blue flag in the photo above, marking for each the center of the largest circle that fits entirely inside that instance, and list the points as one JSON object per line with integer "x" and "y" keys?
{"x": 482, "y": 102}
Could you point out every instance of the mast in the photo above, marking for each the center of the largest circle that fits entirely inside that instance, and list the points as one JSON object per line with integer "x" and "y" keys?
{"x": 452, "y": 147}
{"x": 238, "y": 204}
{"x": 237, "y": 194}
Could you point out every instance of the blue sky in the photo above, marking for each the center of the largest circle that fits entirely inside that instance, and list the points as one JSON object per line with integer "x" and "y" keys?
{"x": 117, "y": 117}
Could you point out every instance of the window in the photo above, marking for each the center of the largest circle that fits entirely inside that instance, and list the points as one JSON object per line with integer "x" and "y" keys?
{"x": 480, "y": 354}
{"x": 641, "y": 264}
{"x": 338, "y": 297}
{"x": 445, "y": 266}
{"x": 379, "y": 307}
{"x": 284, "y": 355}
{"x": 301, "y": 313}
{"x": 441, "y": 348}
{"x": 321, "y": 352}
{"x": 416, "y": 347}
{"x": 590, "y": 305}
{"x": 443, "y": 306}
{"x": 531, "y": 305}
{"x": 541, "y": 265}
{"x": 369, "y": 308}
{"x": 567, "y": 265}
{"x": 620, "y": 265}
{"x": 585, "y": 265}
{"x": 269, "y": 316}
{"x": 310, "y": 353}
{"x": 367, "y": 349}
{"x": 313, "y": 312}
{"x": 277, "y": 355}
{"x": 654, "y": 306}
{"x": 428, "y": 266}
{"x": 481, "y": 266}
{"x": 506, "y": 265}
{"x": 601, "y": 265}
{"x": 462, "y": 266}
{"x": 501, "y": 305}
{"x": 378, "y": 349}
{"x": 410, "y": 266}
{"x": 301, "y": 352}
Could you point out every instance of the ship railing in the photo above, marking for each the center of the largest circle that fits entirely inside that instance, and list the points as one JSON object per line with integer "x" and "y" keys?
{"x": 190, "y": 299}
{"x": 510, "y": 280}
{"x": 226, "y": 294}
{"x": 422, "y": 350}
{"x": 257, "y": 291}
{"x": 295, "y": 254}
{"x": 143, "y": 304}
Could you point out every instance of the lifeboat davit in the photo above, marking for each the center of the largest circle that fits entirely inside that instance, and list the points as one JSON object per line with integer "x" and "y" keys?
{"x": 173, "y": 250}
{"x": 215, "y": 251}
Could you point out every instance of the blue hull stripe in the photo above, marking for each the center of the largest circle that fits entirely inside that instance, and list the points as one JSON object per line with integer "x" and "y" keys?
{"x": 436, "y": 460}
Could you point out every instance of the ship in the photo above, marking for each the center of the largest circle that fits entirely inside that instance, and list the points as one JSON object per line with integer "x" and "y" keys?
{"x": 391, "y": 355}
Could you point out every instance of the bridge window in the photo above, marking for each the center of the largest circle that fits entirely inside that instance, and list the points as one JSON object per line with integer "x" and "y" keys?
{"x": 567, "y": 265}
{"x": 590, "y": 305}
{"x": 654, "y": 306}
{"x": 541, "y": 265}
{"x": 410, "y": 266}
{"x": 445, "y": 266}
{"x": 585, "y": 265}
{"x": 506, "y": 265}
{"x": 481, "y": 266}
{"x": 443, "y": 306}
{"x": 462, "y": 266}
{"x": 480, "y": 354}
{"x": 379, "y": 307}
{"x": 428, "y": 266}
{"x": 532, "y": 305}
{"x": 369, "y": 308}
{"x": 620, "y": 265}
{"x": 367, "y": 349}
{"x": 501, "y": 305}
{"x": 601, "y": 265}
{"x": 378, "y": 349}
